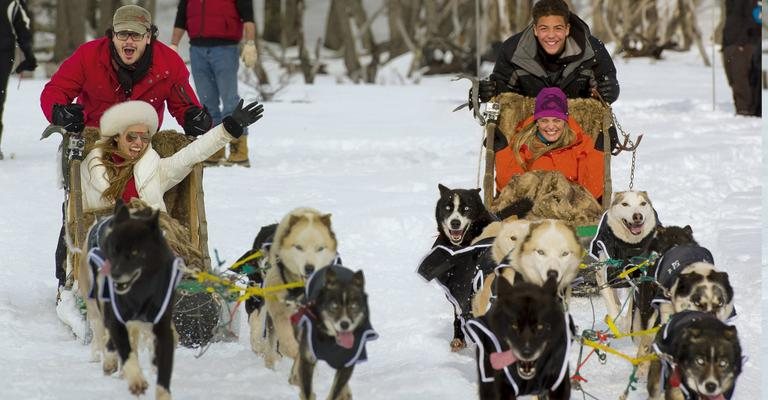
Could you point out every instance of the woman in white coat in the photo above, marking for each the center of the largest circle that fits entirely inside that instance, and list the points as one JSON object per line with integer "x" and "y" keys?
{"x": 123, "y": 165}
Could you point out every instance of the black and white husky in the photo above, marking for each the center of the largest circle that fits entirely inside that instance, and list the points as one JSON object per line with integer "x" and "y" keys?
{"x": 700, "y": 359}
{"x": 333, "y": 326}
{"x": 459, "y": 259}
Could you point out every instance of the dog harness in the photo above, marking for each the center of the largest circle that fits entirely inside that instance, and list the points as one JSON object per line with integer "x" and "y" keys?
{"x": 460, "y": 272}
{"x": 551, "y": 368}
{"x": 322, "y": 346}
{"x": 125, "y": 310}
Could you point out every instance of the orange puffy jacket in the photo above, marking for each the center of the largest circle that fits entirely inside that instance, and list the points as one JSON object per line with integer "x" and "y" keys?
{"x": 579, "y": 161}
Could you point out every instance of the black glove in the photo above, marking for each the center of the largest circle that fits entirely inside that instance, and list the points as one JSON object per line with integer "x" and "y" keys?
{"x": 485, "y": 90}
{"x": 69, "y": 117}
{"x": 197, "y": 121}
{"x": 29, "y": 64}
{"x": 612, "y": 134}
{"x": 236, "y": 123}
{"x": 499, "y": 140}
{"x": 608, "y": 89}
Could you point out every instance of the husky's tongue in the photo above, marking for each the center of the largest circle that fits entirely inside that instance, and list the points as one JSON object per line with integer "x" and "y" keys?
{"x": 502, "y": 359}
{"x": 634, "y": 229}
{"x": 345, "y": 339}
{"x": 718, "y": 397}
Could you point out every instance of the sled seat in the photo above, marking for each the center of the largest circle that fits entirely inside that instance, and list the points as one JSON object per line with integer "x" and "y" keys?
{"x": 184, "y": 202}
{"x": 595, "y": 119}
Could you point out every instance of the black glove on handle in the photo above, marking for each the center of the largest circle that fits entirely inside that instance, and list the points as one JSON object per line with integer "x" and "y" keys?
{"x": 197, "y": 121}
{"x": 485, "y": 90}
{"x": 69, "y": 117}
{"x": 236, "y": 123}
{"x": 29, "y": 63}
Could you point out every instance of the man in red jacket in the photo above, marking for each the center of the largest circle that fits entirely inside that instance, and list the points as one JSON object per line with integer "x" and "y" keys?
{"x": 127, "y": 64}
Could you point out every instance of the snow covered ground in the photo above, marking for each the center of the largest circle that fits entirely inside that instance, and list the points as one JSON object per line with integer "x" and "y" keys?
{"x": 373, "y": 156}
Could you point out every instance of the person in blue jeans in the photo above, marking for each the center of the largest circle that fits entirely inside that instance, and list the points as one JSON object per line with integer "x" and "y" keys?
{"x": 215, "y": 29}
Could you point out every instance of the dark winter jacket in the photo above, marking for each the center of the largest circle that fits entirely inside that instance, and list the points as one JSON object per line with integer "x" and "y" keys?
{"x": 89, "y": 75}
{"x": 213, "y": 22}
{"x": 740, "y": 26}
{"x": 523, "y": 68}
{"x": 14, "y": 27}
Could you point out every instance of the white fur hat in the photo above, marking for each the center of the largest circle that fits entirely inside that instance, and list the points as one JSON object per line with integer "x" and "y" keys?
{"x": 122, "y": 115}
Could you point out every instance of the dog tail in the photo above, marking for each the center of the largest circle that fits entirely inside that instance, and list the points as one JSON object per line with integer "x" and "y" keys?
{"x": 519, "y": 208}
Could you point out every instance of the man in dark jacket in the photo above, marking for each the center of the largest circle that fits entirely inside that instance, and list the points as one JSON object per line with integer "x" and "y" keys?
{"x": 557, "y": 49}
{"x": 14, "y": 28}
{"x": 215, "y": 28}
{"x": 741, "y": 54}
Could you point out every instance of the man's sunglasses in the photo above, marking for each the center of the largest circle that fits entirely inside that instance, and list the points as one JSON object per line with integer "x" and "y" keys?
{"x": 133, "y": 136}
{"x": 124, "y": 35}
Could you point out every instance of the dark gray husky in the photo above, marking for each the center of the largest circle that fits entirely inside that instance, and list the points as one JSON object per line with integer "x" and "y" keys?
{"x": 333, "y": 326}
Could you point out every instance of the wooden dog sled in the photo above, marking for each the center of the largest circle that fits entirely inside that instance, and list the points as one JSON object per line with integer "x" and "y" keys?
{"x": 196, "y": 312}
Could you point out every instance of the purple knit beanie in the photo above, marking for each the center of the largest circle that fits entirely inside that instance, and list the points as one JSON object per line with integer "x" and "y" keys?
{"x": 551, "y": 102}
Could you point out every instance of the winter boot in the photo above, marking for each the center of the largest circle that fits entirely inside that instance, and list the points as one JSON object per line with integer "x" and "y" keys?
{"x": 215, "y": 159}
{"x": 238, "y": 152}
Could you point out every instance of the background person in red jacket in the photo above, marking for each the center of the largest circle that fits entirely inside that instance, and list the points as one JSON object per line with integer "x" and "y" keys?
{"x": 127, "y": 64}
{"x": 552, "y": 141}
{"x": 215, "y": 28}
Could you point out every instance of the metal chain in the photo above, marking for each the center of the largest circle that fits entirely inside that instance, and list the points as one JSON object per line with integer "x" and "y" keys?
{"x": 631, "y": 145}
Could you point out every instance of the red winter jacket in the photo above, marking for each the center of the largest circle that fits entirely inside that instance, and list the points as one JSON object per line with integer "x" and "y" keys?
{"x": 214, "y": 19}
{"x": 578, "y": 161}
{"x": 89, "y": 76}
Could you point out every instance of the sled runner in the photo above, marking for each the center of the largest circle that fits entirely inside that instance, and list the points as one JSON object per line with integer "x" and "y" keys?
{"x": 196, "y": 312}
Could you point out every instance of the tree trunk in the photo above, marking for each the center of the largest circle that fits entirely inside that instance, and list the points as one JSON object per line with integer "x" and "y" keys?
{"x": 351, "y": 60}
{"x": 598, "y": 22}
{"x": 396, "y": 42}
{"x": 361, "y": 21}
{"x": 333, "y": 37}
{"x": 106, "y": 11}
{"x": 272, "y": 21}
{"x": 306, "y": 65}
{"x": 71, "y": 17}
{"x": 288, "y": 37}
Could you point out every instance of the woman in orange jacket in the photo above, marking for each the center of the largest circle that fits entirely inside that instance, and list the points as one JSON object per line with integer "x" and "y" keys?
{"x": 555, "y": 142}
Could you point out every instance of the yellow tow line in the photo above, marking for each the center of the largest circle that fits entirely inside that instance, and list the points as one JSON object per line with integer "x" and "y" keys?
{"x": 247, "y": 291}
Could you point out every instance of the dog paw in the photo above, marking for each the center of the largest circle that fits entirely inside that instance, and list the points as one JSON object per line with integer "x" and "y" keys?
{"x": 457, "y": 344}
{"x": 109, "y": 364}
{"x": 162, "y": 393}
{"x": 138, "y": 386}
{"x": 345, "y": 394}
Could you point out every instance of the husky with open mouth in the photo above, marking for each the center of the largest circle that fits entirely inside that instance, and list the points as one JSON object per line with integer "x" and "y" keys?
{"x": 523, "y": 342}
{"x": 625, "y": 231}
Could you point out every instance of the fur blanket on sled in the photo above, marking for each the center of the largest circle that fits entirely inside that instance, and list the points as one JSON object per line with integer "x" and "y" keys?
{"x": 553, "y": 196}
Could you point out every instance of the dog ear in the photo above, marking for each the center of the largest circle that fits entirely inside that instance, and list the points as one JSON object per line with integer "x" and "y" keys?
{"x": 731, "y": 334}
{"x": 326, "y": 220}
{"x": 118, "y": 203}
{"x": 551, "y": 284}
{"x": 476, "y": 190}
{"x": 443, "y": 190}
{"x": 504, "y": 287}
{"x": 292, "y": 220}
{"x": 330, "y": 277}
{"x": 358, "y": 279}
{"x": 722, "y": 279}
{"x": 687, "y": 229}
{"x": 122, "y": 213}
{"x": 154, "y": 221}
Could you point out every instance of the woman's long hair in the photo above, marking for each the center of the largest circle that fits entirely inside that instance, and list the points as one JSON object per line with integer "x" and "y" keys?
{"x": 118, "y": 174}
{"x": 527, "y": 136}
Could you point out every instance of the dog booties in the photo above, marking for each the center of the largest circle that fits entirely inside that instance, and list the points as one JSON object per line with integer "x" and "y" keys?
{"x": 552, "y": 368}
{"x": 324, "y": 347}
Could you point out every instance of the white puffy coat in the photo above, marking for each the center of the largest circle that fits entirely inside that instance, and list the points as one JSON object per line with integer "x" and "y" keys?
{"x": 154, "y": 175}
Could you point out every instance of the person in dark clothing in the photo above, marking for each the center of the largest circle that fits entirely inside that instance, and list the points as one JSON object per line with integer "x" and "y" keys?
{"x": 556, "y": 50}
{"x": 741, "y": 55}
{"x": 215, "y": 27}
{"x": 14, "y": 28}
